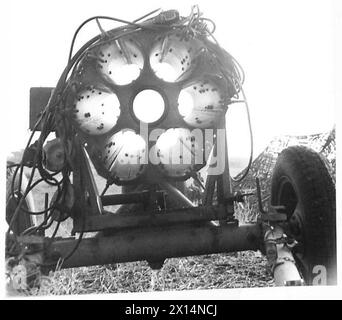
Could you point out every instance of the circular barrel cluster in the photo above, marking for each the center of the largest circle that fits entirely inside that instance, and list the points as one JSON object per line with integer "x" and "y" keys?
{"x": 126, "y": 89}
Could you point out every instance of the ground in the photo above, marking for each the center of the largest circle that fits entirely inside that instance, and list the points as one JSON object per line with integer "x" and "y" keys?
{"x": 220, "y": 271}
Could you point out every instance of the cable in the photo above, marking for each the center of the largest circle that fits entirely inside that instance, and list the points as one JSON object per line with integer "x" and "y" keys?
{"x": 54, "y": 99}
{"x": 147, "y": 15}
{"x": 99, "y": 17}
{"x": 71, "y": 253}
{"x": 21, "y": 201}
{"x": 55, "y": 113}
{"x": 44, "y": 132}
{"x": 103, "y": 32}
{"x": 47, "y": 209}
{"x": 10, "y": 166}
{"x": 240, "y": 78}
{"x": 42, "y": 226}
{"x": 80, "y": 238}
{"x": 212, "y": 22}
{"x": 235, "y": 179}
{"x": 105, "y": 189}
{"x": 45, "y": 122}
{"x": 23, "y": 197}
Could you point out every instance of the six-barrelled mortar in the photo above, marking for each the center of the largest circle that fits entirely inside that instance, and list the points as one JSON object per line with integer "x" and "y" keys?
{"x": 144, "y": 106}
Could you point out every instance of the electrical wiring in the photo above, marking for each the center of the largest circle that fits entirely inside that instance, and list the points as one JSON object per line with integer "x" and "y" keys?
{"x": 14, "y": 165}
{"x": 103, "y": 32}
{"x": 45, "y": 130}
{"x": 245, "y": 173}
{"x": 21, "y": 201}
{"x": 21, "y": 165}
{"x": 135, "y": 24}
{"x": 46, "y": 122}
{"x": 44, "y": 133}
{"x": 42, "y": 226}
{"x": 23, "y": 196}
{"x": 239, "y": 77}
{"x": 202, "y": 20}
{"x": 194, "y": 23}
{"x": 105, "y": 189}
{"x": 55, "y": 116}
{"x": 47, "y": 209}
{"x": 147, "y": 15}
{"x": 71, "y": 253}
{"x": 79, "y": 240}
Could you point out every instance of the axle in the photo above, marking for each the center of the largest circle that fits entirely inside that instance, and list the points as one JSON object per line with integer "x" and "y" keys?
{"x": 157, "y": 244}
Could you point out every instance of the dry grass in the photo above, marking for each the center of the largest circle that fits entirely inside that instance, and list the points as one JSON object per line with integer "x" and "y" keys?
{"x": 221, "y": 271}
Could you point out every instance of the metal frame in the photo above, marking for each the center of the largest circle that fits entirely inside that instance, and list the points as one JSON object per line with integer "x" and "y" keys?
{"x": 154, "y": 232}
{"x": 89, "y": 213}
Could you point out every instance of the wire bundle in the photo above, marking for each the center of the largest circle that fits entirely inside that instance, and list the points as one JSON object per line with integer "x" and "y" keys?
{"x": 55, "y": 116}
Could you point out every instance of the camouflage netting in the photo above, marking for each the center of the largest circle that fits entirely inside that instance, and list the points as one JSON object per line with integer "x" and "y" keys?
{"x": 262, "y": 166}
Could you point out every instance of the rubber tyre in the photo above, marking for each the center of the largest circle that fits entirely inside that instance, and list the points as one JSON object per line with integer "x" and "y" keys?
{"x": 302, "y": 183}
{"x": 23, "y": 220}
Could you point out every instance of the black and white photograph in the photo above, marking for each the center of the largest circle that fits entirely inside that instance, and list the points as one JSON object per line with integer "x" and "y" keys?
{"x": 171, "y": 149}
